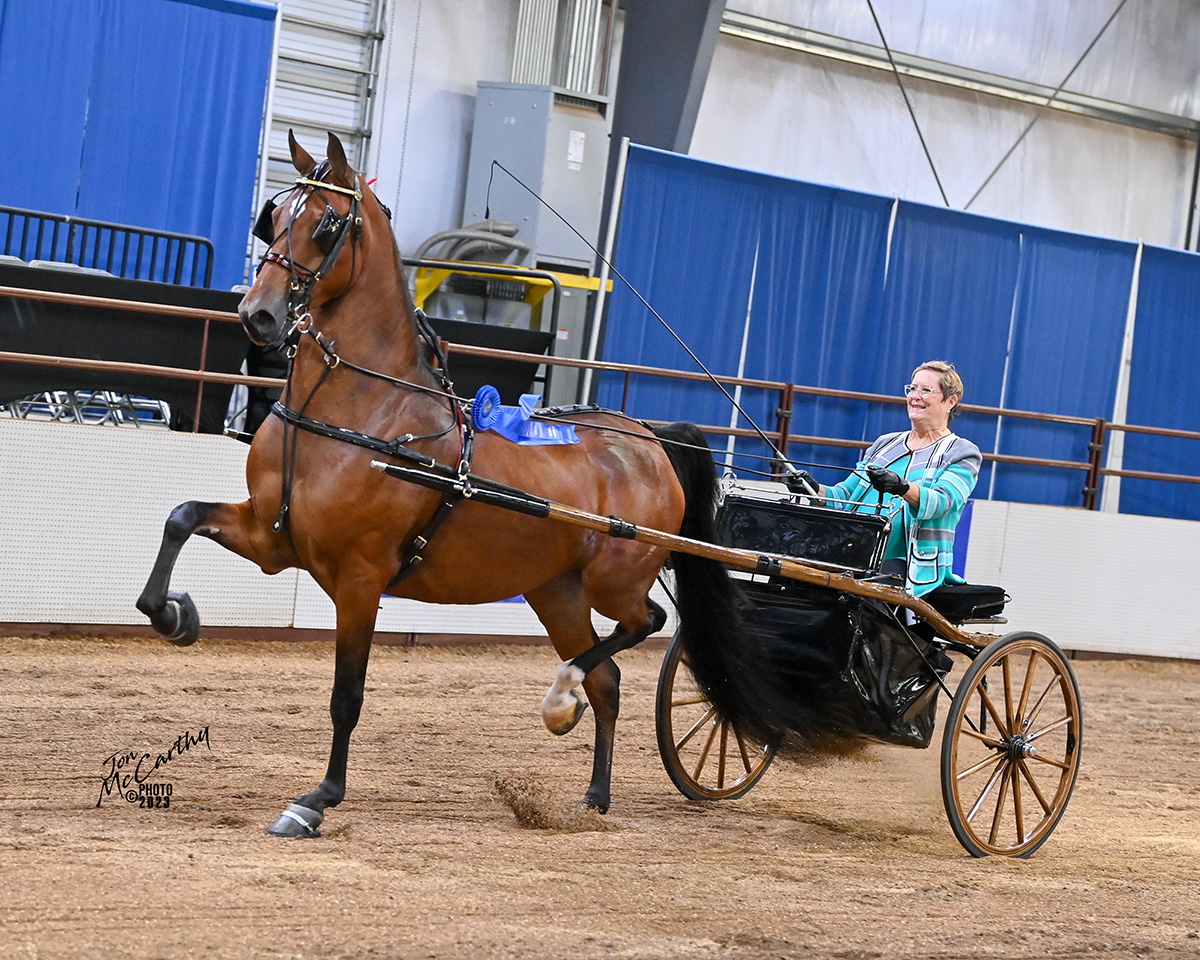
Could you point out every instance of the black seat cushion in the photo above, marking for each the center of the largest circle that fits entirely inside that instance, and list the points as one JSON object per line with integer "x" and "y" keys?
{"x": 967, "y": 601}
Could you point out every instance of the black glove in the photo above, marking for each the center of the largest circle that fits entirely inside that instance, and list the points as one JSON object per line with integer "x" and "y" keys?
{"x": 802, "y": 482}
{"x": 885, "y": 481}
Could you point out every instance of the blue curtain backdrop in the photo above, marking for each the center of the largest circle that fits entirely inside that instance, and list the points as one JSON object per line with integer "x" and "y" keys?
{"x": 845, "y": 298}
{"x": 1068, "y": 326}
{"x": 1162, "y": 384}
{"x": 689, "y": 251}
{"x": 948, "y": 296}
{"x": 817, "y": 297}
{"x": 143, "y": 112}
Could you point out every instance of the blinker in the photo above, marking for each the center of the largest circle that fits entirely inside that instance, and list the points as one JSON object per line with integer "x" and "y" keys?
{"x": 327, "y": 230}
{"x": 264, "y": 226}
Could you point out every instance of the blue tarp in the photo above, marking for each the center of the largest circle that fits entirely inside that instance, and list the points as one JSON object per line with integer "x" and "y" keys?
{"x": 142, "y": 112}
{"x": 1166, "y": 343}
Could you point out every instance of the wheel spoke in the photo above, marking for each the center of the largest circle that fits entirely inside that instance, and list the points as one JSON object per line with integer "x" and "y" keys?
{"x": 1005, "y": 732}
{"x": 1049, "y": 727}
{"x": 696, "y": 727}
{"x": 998, "y": 816}
{"x": 982, "y": 764}
{"x": 689, "y": 701}
{"x": 1061, "y": 764}
{"x": 1006, "y": 671}
{"x": 982, "y": 737}
{"x": 1041, "y": 702}
{"x": 721, "y": 756}
{"x": 712, "y": 735}
{"x": 1018, "y": 808}
{"x": 1027, "y": 683}
{"x": 1033, "y": 786}
{"x": 997, "y": 774}
{"x": 745, "y": 754}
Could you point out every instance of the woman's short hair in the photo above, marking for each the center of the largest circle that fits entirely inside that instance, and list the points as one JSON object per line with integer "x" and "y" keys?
{"x": 948, "y": 380}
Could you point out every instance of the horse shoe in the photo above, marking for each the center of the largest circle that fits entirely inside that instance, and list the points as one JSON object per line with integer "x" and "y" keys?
{"x": 297, "y": 821}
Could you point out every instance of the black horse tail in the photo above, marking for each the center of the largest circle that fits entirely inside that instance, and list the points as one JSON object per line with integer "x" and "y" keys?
{"x": 742, "y": 676}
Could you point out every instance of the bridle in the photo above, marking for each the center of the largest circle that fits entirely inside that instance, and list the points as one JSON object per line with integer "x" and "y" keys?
{"x": 329, "y": 235}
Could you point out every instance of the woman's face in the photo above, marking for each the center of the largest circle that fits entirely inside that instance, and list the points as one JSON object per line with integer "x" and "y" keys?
{"x": 929, "y": 411}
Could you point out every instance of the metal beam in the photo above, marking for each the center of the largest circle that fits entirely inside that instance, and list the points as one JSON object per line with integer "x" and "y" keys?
{"x": 761, "y": 30}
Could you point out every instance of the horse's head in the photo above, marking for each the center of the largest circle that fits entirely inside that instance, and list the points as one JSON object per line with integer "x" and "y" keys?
{"x": 311, "y": 231}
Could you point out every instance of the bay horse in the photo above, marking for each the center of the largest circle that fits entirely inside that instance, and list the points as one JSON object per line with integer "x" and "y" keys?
{"x": 367, "y": 381}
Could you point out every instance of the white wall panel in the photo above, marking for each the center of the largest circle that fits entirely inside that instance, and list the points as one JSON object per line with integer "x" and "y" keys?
{"x": 513, "y": 618}
{"x": 845, "y": 125}
{"x": 82, "y": 510}
{"x": 1103, "y": 582}
{"x": 1146, "y": 56}
{"x": 434, "y": 55}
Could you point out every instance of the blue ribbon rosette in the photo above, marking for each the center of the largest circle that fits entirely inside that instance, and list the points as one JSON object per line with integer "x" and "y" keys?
{"x": 515, "y": 423}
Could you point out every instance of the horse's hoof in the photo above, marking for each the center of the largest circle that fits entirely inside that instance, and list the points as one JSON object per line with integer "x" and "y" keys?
{"x": 182, "y": 621}
{"x": 297, "y": 821}
{"x": 591, "y": 803}
{"x": 562, "y": 707}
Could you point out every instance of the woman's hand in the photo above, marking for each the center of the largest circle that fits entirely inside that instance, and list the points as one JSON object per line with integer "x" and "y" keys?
{"x": 887, "y": 481}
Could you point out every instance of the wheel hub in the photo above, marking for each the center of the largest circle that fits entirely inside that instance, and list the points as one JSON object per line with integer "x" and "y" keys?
{"x": 1018, "y": 748}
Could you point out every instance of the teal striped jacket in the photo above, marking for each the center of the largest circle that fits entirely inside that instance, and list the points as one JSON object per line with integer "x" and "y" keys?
{"x": 945, "y": 473}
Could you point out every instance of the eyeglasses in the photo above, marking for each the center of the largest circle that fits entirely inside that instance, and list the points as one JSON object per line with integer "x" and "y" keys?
{"x": 922, "y": 389}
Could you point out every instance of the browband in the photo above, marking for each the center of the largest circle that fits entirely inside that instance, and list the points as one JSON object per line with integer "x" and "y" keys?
{"x": 354, "y": 192}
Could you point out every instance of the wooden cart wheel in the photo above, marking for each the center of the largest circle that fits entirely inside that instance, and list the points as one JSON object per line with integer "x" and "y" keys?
{"x": 704, "y": 755}
{"x": 1010, "y": 749}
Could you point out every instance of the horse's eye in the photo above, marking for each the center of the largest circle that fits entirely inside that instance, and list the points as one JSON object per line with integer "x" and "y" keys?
{"x": 327, "y": 230}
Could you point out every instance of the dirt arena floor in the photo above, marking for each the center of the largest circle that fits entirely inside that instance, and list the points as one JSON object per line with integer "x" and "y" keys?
{"x": 842, "y": 859}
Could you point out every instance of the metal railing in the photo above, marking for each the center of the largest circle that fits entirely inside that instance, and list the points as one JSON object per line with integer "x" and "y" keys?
{"x": 1093, "y": 467}
{"x": 136, "y": 253}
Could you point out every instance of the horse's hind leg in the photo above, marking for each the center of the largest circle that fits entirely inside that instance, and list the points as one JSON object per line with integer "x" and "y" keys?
{"x": 558, "y": 699}
{"x": 566, "y": 615}
{"x": 564, "y": 612}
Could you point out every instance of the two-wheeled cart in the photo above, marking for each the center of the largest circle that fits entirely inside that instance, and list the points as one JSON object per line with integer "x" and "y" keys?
{"x": 1011, "y": 741}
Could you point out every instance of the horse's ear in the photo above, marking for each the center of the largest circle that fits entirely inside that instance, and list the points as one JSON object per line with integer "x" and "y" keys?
{"x": 300, "y": 157}
{"x": 337, "y": 162}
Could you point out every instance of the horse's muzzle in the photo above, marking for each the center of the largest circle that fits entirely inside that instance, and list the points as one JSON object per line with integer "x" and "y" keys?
{"x": 265, "y": 319}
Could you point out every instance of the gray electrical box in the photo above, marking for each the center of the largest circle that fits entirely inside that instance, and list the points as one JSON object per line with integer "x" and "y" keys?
{"x": 556, "y": 142}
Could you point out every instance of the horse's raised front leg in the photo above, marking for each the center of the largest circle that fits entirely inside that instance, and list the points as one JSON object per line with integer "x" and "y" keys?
{"x": 235, "y": 527}
{"x": 355, "y": 628}
{"x": 173, "y": 614}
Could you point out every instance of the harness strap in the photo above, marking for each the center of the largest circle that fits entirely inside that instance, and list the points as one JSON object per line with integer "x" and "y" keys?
{"x": 288, "y": 472}
{"x": 393, "y": 448}
{"x": 415, "y": 553}
{"x": 429, "y": 335}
